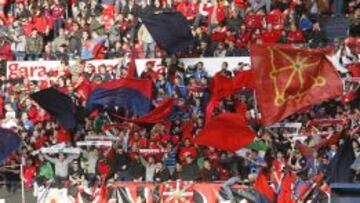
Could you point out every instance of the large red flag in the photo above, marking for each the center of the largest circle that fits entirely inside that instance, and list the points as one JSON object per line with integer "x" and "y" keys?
{"x": 288, "y": 80}
{"x": 227, "y": 131}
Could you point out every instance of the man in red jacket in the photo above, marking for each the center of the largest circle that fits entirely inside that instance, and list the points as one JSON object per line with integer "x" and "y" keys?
{"x": 270, "y": 35}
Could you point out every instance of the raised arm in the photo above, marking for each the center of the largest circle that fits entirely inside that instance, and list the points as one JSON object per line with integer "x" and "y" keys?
{"x": 52, "y": 160}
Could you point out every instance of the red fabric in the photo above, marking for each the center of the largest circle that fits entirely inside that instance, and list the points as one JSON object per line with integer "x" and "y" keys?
{"x": 29, "y": 172}
{"x": 304, "y": 150}
{"x": 270, "y": 36}
{"x": 243, "y": 40}
{"x": 284, "y": 86}
{"x": 187, "y": 128}
{"x": 227, "y": 131}
{"x": 1, "y": 107}
{"x": 261, "y": 185}
{"x": 348, "y": 97}
{"x": 295, "y": 36}
{"x": 157, "y": 115}
{"x": 27, "y": 28}
{"x": 40, "y": 23}
{"x": 275, "y": 17}
{"x": 218, "y": 36}
{"x": 243, "y": 79}
{"x": 286, "y": 190}
{"x": 354, "y": 69}
{"x": 220, "y": 13}
{"x": 84, "y": 89}
{"x": 5, "y": 52}
{"x": 132, "y": 67}
{"x": 332, "y": 139}
{"x": 253, "y": 22}
{"x": 63, "y": 136}
{"x": 221, "y": 87}
{"x": 241, "y": 3}
{"x": 188, "y": 151}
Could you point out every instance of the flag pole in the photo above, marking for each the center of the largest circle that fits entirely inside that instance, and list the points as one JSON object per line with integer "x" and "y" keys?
{"x": 22, "y": 179}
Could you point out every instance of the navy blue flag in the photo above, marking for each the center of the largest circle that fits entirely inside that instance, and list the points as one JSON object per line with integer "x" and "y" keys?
{"x": 132, "y": 95}
{"x": 170, "y": 31}
{"x": 9, "y": 141}
{"x": 339, "y": 170}
{"x": 58, "y": 105}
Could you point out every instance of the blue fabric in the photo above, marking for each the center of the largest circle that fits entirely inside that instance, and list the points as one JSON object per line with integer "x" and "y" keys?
{"x": 125, "y": 98}
{"x": 305, "y": 24}
{"x": 58, "y": 105}
{"x": 9, "y": 141}
{"x": 170, "y": 30}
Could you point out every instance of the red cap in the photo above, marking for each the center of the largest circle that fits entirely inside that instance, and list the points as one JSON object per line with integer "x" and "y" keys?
{"x": 150, "y": 63}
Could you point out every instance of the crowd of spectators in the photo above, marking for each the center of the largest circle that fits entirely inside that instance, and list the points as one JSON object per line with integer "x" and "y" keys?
{"x": 55, "y": 30}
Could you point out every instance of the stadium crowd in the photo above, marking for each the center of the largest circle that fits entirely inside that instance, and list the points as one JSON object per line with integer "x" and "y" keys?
{"x": 56, "y": 30}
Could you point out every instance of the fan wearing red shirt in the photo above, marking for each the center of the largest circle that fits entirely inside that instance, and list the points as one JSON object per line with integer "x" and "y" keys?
{"x": 57, "y": 13}
{"x": 276, "y": 18}
{"x": 243, "y": 38}
{"x": 253, "y": 21}
{"x": 193, "y": 10}
{"x": 187, "y": 150}
{"x": 216, "y": 12}
{"x": 40, "y": 22}
{"x": 183, "y": 7}
{"x": 295, "y": 35}
{"x": 270, "y": 35}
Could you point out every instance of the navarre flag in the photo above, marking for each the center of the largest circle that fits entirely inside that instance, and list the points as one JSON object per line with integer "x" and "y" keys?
{"x": 339, "y": 170}
{"x": 58, "y": 105}
{"x": 227, "y": 131}
{"x": 9, "y": 141}
{"x": 288, "y": 80}
{"x": 170, "y": 30}
{"x": 133, "y": 95}
{"x": 157, "y": 115}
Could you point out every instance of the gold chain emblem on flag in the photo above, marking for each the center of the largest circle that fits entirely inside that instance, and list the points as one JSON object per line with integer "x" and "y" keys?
{"x": 296, "y": 68}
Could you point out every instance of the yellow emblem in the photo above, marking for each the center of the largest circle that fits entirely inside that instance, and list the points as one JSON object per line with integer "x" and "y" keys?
{"x": 295, "y": 71}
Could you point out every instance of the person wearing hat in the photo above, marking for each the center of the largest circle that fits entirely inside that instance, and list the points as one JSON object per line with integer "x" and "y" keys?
{"x": 149, "y": 73}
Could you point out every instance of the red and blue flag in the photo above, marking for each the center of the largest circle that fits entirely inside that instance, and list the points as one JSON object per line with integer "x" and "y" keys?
{"x": 132, "y": 95}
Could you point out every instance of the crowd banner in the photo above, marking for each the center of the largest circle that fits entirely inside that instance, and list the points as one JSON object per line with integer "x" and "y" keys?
{"x": 39, "y": 70}
{"x": 68, "y": 150}
{"x": 94, "y": 143}
{"x": 53, "y": 148}
{"x": 33, "y": 70}
{"x": 172, "y": 191}
{"x": 212, "y": 65}
{"x": 94, "y": 65}
{"x": 102, "y": 138}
